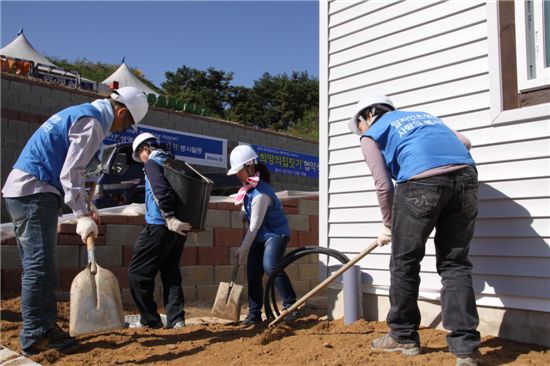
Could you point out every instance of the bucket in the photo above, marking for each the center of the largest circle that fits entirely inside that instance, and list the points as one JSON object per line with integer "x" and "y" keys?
{"x": 193, "y": 190}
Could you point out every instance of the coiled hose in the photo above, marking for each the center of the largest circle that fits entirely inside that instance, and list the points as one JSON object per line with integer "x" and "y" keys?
{"x": 269, "y": 293}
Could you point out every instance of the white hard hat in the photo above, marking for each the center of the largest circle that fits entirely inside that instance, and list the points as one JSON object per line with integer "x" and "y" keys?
{"x": 365, "y": 102}
{"x": 141, "y": 138}
{"x": 135, "y": 100}
{"x": 240, "y": 155}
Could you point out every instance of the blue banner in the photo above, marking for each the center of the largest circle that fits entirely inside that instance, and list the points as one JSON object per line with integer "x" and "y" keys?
{"x": 194, "y": 149}
{"x": 288, "y": 162}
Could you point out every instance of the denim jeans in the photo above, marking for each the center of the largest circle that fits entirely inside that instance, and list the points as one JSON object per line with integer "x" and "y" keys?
{"x": 264, "y": 257}
{"x": 447, "y": 203}
{"x": 35, "y": 224}
{"x": 157, "y": 250}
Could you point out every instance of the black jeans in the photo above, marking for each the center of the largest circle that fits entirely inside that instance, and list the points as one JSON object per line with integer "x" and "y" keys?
{"x": 157, "y": 249}
{"x": 449, "y": 203}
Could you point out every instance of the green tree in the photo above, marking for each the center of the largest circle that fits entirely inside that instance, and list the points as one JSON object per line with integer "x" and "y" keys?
{"x": 208, "y": 88}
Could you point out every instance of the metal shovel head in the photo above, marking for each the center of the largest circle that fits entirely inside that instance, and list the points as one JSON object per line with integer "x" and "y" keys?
{"x": 228, "y": 302}
{"x": 96, "y": 305}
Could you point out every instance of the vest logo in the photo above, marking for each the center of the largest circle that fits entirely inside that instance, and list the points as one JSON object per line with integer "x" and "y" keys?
{"x": 51, "y": 122}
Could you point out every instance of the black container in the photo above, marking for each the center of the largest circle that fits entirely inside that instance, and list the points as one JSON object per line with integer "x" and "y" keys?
{"x": 193, "y": 190}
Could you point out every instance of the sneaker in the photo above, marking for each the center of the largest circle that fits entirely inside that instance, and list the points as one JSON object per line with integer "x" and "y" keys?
{"x": 466, "y": 360}
{"x": 388, "y": 344}
{"x": 292, "y": 316}
{"x": 251, "y": 320}
{"x": 54, "y": 338}
{"x": 179, "y": 324}
{"x": 139, "y": 324}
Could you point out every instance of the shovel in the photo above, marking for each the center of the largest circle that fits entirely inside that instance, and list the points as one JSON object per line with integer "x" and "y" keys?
{"x": 228, "y": 299}
{"x": 96, "y": 305}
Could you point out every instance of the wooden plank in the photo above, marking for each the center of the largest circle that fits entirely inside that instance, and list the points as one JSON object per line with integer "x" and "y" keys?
{"x": 349, "y": 155}
{"x": 345, "y": 11}
{"x": 348, "y": 170}
{"x": 343, "y": 142}
{"x": 355, "y": 184}
{"x": 356, "y": 199}
{"x": 357, "y": 214}
{"x": 510, "y": 133}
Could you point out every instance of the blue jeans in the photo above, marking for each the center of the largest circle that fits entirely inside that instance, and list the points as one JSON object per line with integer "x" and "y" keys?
{"x": 447, "y": 203}
{"x": 35, "y": 224}
{"x": 264, "y": 257}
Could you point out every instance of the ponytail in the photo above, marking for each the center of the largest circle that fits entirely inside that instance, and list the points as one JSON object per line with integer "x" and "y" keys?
{"x": 264, "y": 172}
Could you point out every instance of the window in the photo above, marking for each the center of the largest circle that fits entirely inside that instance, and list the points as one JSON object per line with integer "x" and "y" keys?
{"x": 533, "y": 44}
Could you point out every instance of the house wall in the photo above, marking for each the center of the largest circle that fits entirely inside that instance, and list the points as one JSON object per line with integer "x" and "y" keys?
{"x": 437, "y": 57}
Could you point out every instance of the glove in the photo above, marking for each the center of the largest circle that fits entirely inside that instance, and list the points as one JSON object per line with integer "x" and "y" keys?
{"x": 241, "y": 253}
{"x": 384, "y": 235}
{"x": 95, "y": 214}
{"x": 85, "y": 226}
{"x": 177, "y": 226}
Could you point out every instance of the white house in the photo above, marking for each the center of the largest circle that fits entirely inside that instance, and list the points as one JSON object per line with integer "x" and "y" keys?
{"x": 483, "y": 67}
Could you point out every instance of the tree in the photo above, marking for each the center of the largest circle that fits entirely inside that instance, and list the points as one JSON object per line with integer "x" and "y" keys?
{"x": 208, "y": 88}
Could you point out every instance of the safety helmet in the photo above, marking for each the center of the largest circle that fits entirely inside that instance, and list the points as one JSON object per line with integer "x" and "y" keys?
{"x": 134, "y": 99}
{"x": 366, "y": 102}
{"x": 141, "y": 138}
{"x": 240, "y": 156}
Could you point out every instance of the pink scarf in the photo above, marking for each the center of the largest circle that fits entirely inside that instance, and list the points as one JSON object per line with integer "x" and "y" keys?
{"x": 251, "y": 183}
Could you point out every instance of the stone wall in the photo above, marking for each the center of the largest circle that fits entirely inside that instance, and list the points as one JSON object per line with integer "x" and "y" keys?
{"x": 206, "y": 261}
{"x": 27, "y": 103}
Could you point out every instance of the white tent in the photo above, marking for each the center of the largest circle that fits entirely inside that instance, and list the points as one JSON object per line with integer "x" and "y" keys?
{"x": 125, "y": 77}
{"x": 21, "y": 48}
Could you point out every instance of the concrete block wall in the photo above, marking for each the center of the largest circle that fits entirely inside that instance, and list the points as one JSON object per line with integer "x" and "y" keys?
{"x": 207, "y": 258}
{"x": 26, "y": 103}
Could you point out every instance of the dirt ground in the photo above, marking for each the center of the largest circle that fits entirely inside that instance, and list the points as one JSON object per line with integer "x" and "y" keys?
{"x": 307, "y": 341}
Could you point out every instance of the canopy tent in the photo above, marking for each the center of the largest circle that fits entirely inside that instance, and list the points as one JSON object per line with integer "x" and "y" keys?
{"x": 125, "y": 77}
{"x": 21, "y": 48}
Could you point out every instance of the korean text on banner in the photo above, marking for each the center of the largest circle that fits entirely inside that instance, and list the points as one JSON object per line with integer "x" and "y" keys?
{"x": 288, "y": 162}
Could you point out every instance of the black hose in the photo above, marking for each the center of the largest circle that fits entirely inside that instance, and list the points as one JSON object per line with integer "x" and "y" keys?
{"x": 287, "y": 260}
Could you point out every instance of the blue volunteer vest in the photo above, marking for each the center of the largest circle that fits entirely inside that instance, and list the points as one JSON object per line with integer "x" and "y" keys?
{"x": 413, "y": 142}
{"x": 44, "y": 154}
{"x": 275, "y": 222}
{"x": 153, "y": 215}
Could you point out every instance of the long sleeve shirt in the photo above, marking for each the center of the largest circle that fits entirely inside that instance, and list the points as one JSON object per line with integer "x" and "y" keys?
{"x": 259, "y": 206}
{"x": 85, "y": 138}
{"x": 382, "y": 178}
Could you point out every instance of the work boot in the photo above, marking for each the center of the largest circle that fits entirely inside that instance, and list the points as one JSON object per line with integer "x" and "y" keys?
{"x": 466, "y": 360}
{"x": 388, "y": 344}
{"x": 54, "y": 338}
{"x": 249, "y": 320}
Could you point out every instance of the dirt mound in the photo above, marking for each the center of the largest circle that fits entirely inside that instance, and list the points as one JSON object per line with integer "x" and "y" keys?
{"x": 306, "y": 341}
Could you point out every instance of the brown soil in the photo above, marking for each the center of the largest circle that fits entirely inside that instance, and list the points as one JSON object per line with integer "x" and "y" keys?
{"x": 307, "y": 341}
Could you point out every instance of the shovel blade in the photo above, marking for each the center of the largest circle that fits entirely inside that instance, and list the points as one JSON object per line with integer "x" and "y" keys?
{"x": 227, "y": 304}
{"x": 96, "y": 304}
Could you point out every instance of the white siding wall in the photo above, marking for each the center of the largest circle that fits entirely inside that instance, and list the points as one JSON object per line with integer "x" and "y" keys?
{"x": 434, "y": 56}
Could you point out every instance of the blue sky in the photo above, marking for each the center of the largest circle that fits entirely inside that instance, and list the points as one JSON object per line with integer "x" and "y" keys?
{"x": 245, "y": 37}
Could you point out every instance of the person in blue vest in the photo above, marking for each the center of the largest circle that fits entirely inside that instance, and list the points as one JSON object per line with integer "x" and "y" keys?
{"x": 50, "y": 170}
{"x": 160, "y": 244}
{"x": 268, "y": 233}
{"x": 436, "y": 187}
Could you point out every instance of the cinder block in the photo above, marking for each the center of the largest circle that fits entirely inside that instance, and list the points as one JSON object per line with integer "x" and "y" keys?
{"x": 301, "y": 287}
{"x": 198, "y": 275}
{"x": 207, "y": 294}
{"x": 212, "y": 256}
{"x": 308, "y": 207}
{"x": 223, "y": 274}
{"x": 189, "y": 293}
{"x": 107, "y": 256}
{"x": 200, "y": 238}
{"x": 227, "y": 237}
{"x": 236, "y": 221}
{"x": 298, "y": 222}
{"x": 127, "y": 253}
{"x": 189, "y": 256}
{"x": 292, "y": 272}
{"x": 308, "y": 271}
{"x": 294, "y": 239}
{"x": 66, "y": 277}
{"x": 67, "y": 256}
{"x": 314, "y": 223}
{"x": 10, "y": 257}
{"x": 121, "y": 234}
{"x": 127, "y": 298}
{"x": 308, "y": 238}
{"x": 217, "y": 218}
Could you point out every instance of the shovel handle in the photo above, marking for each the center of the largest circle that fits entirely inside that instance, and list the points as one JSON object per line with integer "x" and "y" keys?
{"x": 90, "y": 245}
{"x": 234, "y": 273}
